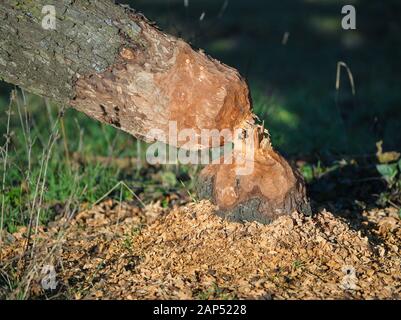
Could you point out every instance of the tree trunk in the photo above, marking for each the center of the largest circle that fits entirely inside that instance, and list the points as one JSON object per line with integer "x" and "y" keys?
{"x": 117, "y": 67}
{"x": 114, "y": 65}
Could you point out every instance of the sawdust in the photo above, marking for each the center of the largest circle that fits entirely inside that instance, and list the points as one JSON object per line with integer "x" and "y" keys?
{"x": 122, "y": 252}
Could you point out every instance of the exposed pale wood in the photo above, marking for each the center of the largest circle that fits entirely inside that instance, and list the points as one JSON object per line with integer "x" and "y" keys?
{"x": 271, "y": 189}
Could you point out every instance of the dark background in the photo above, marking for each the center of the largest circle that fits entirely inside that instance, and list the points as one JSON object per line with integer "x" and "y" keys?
{"x": 294, "y": 84}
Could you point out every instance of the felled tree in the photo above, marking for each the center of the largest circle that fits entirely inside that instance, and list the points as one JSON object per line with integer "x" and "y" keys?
{"x": 117, "y": 67}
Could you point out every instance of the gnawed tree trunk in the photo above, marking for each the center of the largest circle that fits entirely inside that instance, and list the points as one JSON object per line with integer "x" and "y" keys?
{"x": 114, "y": 65}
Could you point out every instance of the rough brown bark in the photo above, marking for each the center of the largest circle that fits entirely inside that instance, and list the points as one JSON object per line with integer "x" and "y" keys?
{"x": 114, "y": 65}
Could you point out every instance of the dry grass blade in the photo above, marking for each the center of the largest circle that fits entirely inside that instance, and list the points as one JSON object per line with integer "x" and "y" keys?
{"x": 350, "y": 76}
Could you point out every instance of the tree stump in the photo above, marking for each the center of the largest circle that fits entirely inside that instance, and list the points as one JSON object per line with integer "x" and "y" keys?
{"x": 270, "y": 189}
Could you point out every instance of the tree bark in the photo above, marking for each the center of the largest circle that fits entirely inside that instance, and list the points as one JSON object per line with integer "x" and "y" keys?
{"x": 117, "y": 67}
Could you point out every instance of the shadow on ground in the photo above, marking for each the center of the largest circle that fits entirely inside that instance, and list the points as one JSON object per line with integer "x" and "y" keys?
{"x": 349, "y": 192}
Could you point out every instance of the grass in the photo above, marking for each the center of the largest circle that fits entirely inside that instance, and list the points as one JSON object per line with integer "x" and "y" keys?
{"x": 37, "y": 175}
{"x": 41, "y": 178}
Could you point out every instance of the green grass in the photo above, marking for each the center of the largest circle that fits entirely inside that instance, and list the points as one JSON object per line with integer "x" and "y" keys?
{"x": 41, "y": 178}
{"x": 62, "y": 187}
{"x": 38, "y": 177}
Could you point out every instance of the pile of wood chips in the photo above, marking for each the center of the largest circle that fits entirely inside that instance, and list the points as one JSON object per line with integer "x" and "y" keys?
{"x": 118, "y": 251}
